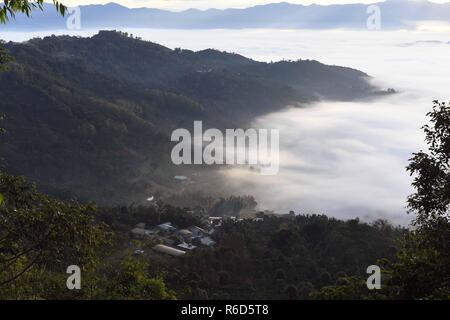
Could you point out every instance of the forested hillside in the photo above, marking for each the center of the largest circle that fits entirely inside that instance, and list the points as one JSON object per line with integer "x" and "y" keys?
{"x": 92, "y": 117}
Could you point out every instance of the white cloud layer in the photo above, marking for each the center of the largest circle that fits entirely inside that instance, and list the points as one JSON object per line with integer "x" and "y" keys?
{"x": 343, "y": 159}
{"x": 348, "y": 159}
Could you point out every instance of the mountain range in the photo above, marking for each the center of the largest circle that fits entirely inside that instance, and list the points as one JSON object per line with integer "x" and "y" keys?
{"x": 394, "y": 14}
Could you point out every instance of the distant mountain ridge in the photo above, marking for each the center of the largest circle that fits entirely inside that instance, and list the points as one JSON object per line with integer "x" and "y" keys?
{"x": 394, "y": 14}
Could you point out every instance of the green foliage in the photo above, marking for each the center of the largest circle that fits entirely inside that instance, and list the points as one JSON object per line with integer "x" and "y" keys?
{"x": 419, "y": 272}
{"x": 4, "y": 56}
{"x": 40, "y": 232}
{"x": 432, "y": 170}
{"x": 11, "y": 7}
{"x": 278, "y": 259}
{"x": 429, "y": 247}
{"x": 348, "y": 288}
{"x": 133, "y": 282}
{"x": 421, "y": 269}
{"x": 40, "y": 237}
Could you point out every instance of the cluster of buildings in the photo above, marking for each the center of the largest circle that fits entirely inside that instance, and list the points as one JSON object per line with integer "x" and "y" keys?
{"x": 173, "y": 241}
{"x": 177, "y": 242}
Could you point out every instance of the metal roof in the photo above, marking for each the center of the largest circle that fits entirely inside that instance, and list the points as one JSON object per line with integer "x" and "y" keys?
{"x": 168, "y": 250}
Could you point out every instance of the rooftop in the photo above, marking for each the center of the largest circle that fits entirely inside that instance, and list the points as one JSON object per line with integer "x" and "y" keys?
{"x": 168, "y": 250}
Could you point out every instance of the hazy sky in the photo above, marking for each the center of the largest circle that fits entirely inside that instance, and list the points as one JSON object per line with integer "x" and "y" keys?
{"x": 206, "y": 4}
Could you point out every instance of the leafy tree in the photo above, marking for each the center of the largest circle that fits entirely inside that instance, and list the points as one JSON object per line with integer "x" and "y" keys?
{"x": 38, "y": 231}
{"x": 432, "y": 170}
{"x": 11, "y": 7}
{"x": 349, "y": 288}
{"x": 134, "y": 282}
{"x": 421, "y": 269}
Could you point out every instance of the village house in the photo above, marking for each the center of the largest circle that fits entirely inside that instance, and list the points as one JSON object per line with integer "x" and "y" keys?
{"x": 186, "y": 246}
{"x": 166, "y": 227}
{"x": 168, "y": 236}
{"x": 168, "y": 250}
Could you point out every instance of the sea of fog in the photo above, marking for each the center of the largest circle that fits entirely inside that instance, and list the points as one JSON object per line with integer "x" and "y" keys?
{"x": 342, "y": 159}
